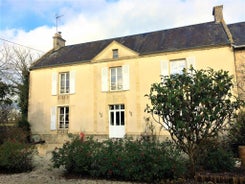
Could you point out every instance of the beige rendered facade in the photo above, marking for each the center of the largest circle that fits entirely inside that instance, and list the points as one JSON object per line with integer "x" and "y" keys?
{"x": 104, "y": 96}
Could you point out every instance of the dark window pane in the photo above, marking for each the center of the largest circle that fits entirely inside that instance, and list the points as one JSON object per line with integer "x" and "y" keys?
{"x": 112, "y": 118}
{"x": 64, "y": 117}
{"x": 61, "y": 110}
{"x": 117, "y": 118}
{"x": 122, "y": 118}
{"x": 115, "y": 53}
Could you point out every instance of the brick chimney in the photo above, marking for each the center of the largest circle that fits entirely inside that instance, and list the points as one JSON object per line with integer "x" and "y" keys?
{"x": 218, "y": 14}
{"x": 218, "y": 18}
{"x": 58, "y": 41}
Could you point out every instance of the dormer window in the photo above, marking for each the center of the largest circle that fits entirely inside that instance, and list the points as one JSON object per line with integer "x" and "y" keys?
{"x": 115, "y": 53}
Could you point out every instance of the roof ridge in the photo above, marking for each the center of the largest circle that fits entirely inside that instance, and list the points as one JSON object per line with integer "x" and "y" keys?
{"x": 166, "y": 40}
{"x": 138, "y": 34}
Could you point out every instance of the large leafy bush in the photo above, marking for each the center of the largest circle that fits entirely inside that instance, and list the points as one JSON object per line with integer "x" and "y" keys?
{"x": 121, "y": 159}
{"x": 15, "y": 157}
{"x": 194, "y": 106}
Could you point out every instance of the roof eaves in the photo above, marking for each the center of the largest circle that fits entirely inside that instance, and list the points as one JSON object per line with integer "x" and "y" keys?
{"x": 41, "y": 58}
{"x": 184, "y": 49}
{"x": 60, "y": 64}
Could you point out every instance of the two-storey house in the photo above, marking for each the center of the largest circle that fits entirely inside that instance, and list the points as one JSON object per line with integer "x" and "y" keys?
{"x": 99, "y": 87}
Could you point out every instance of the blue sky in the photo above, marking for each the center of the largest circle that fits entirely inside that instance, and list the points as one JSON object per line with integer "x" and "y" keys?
{"x": 32, "y": 22}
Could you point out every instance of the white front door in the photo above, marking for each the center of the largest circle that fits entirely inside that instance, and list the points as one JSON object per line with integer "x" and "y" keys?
{"x": 116, "y": 121}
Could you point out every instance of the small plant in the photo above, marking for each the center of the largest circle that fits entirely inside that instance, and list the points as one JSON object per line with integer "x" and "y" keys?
{"x": 216, "y": 156}
{"x": 150, "y": 130}
{"x": 15, "y": 157}
{"x": 219, "y": 159}
{"x": 237, "y": 132}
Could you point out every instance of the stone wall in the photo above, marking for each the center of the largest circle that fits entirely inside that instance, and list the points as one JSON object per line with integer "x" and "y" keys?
{"x": 240, "y": 72}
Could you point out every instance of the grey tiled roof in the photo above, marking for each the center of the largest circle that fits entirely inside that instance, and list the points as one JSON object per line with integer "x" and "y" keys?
{"x": 182, "y": 38}
{"x": 238, "y": 32}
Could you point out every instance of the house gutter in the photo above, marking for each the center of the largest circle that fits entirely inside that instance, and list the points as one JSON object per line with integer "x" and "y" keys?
{"x": 237, "y": 46}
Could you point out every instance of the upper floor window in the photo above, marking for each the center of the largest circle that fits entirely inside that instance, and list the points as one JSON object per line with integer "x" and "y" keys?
{"x": 177, "y": 66}
{"x": 64, "y": 83}
{"x": 115, "y": 53}
{"x": 116, "y": 78}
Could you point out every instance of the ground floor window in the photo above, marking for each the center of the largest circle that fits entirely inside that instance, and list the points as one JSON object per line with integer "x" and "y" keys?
{"x": 63, "y": 117}
{"x": 117, "y": 115}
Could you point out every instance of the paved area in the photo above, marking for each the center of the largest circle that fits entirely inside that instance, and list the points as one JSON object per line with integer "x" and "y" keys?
{"x": 43, "y": 173}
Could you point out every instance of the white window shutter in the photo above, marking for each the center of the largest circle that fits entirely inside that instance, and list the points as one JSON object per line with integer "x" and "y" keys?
{"x": 53, "y": 118}
{"x": 164, "y": 68}
{"x": 125, "y": 72}
{"x": 54, "y": 83}
{"x": 72, "y": 81}
{"x": 191, "y": 61}
{"x": 104, "y": 79}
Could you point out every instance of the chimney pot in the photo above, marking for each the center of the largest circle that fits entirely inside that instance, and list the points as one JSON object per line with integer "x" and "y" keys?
{"x": 218, "y": 13}
{"x": 58, "y": 41}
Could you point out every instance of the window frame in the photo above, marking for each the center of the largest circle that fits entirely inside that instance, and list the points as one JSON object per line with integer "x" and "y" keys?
{"x": 116, "y": 110}
{"x": 115, "y": 54}
{"x": 118, "y": 84}
{"x": 63, "y": 118}
{"x": 180, "y": 62}
{"x": 66, "y": 81}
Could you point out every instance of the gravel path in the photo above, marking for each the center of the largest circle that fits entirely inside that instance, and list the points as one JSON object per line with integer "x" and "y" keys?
{"x": 43, "y": 173}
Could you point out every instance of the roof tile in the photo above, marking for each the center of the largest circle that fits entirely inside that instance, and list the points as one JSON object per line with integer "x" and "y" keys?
{"x": 182, "y": 38}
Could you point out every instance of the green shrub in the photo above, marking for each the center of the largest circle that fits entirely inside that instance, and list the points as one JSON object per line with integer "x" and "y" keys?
{"x": 15, "y": 157}
{"x": 219, "y": 160}
{"x": 76, "y": 156}
{"x": 14, "y": 133}
{"x": 26, "y": 127}
{"x": 121, "y": 159}
{"x": 217, "y": 157}
{"x": 107, "y": 159}
{"x": 236, "y": 134}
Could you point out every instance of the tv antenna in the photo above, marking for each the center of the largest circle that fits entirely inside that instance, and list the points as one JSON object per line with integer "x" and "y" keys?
{"x": 57, "y": 17}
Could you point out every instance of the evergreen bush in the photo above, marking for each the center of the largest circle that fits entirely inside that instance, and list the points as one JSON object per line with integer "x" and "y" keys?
{"x": 15, "y": 157}
{"x": 121, "y": 159}
{"x": 216, "y": 156}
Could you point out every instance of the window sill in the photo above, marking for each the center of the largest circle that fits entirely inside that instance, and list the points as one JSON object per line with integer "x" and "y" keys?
{"x": 121, "y": 90}
{"x": 64, "y": 97}
{"x": 62, "y": 131}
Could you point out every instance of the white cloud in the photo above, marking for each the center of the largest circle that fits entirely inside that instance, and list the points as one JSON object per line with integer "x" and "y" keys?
{"x": 90, "y": 20}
